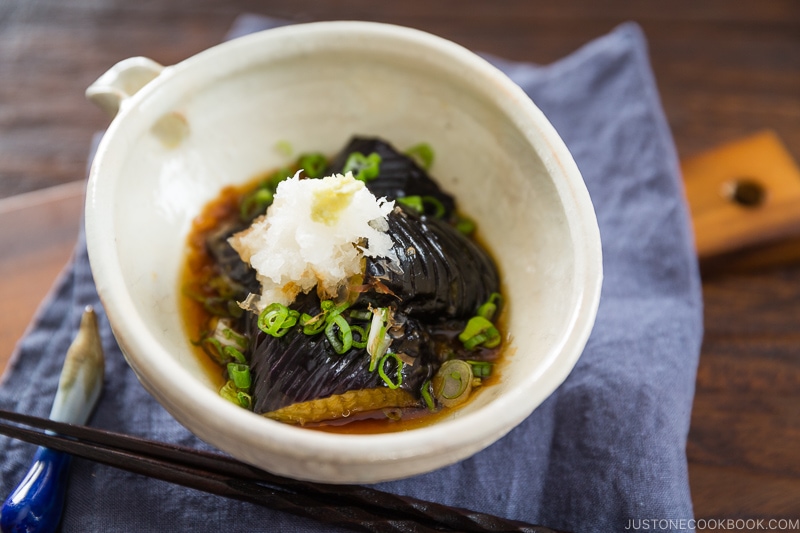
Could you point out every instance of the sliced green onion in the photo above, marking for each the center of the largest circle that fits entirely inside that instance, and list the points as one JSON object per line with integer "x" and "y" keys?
{"x": 223, "y": 307}
{"x": 335, "y": 310}
{"x": 418, "y": 204}
{"x": 342, "y": 340}
{"x": 255, "y": 203}
{"x": 382, "y": 371}
{"x": 479, "y": 331}
{"x": 235, "y": 338}
{"x": 422, "y": 154}
{"x": 360, "y": 314}
{"x": 453, "y": 382}
{"x": 488, "y": 309}
{"x": 361, "y": 342}
{"x": 213, "y": 349}
{"x": 224, "y": 286}
{"x": 277, "y": 319}
{"x": 364, "y": 168}
{"x": 228, "y": 391}
{"x": 438, "y": 207}
{"x": 284, "y": 148}
{"x": 278, "y": 176}
{"x": 481, "y": 369}
{"x": 465, "y": 225}
{"x": 425, "y": 392}
{"x": 314, "y": 164}
{"x": 312, "y": 324}
{"x": 378, "y": 340}
{"x": 232, "y": 354}
{"x": 226, "y": 336}
{"x": 236, "y": 396}
{"x": 318, "y": 323}
{"x": 412, "y": 202}
{"x": 222, "y": 345}
{"x": 240, "y": 374}
{"x": 244, "y": 399}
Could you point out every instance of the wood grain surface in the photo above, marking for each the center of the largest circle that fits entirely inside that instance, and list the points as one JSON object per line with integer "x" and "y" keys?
{"x": 724, "y": 70}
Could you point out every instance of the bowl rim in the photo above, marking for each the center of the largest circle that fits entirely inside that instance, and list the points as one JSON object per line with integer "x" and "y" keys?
{"x": 484, "y": 425}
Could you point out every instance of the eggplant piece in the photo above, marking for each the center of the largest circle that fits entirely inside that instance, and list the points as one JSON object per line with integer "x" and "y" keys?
{"x": 442, "y": 274}
{"x": 299, "y": 367}
{"x": 399, "y": 174}
{"x": 240, "y": 275}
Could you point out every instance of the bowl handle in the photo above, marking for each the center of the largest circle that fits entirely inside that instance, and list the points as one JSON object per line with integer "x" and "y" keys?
{"x": 122, "y": 81}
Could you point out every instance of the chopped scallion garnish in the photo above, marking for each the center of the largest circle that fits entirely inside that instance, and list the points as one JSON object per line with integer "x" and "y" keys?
{"x": 360, "y": 314}
{"x": 361, "y": 341}
{"x": 240, "y": 374}
{"x": 419, "y": 203}
{"x": 382, "y": 371}
{"x": 244, "y": 399}
{"x": 277, "y": 319}
{"x": 425, "y": 392}
{"x": 284, "y": 148}
{"x": 378, "y": 340}
{"x": 422, "y": 153}
{"x": 364, "y": 168}
{"x": 488, "y": 309}
{"x": 278, "y": 176}
{"x": 479, "y": 331}
{"x": 312, "y": 324}
{"x": 412, "y": 202}
{"x": 230, "y": 392}
{"x": 481, "y": 369}
{"x": 453, "y": 382}
{"x": 223, "y": 345}
{"x": 255, "y": 203}
{"x": 339, "y": 334}
{"x": 233, "y": 354}
{"x": 314, "y": 164}
{"x": 223, "y": 307}
{"x": 465, "y": 225}
{"x": 213, "y": 349}
{"x": 438, "y": 207}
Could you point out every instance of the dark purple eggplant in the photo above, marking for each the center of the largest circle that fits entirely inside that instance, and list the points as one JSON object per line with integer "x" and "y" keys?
{"x": 399, "y": 174}
{"x": 299, "y": 367}
{"x": 442, "y": 273}
{"x": 241, "y": 276}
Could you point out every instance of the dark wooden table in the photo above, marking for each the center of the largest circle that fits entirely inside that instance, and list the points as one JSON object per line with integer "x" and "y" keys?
{"x": 724, "y": 69}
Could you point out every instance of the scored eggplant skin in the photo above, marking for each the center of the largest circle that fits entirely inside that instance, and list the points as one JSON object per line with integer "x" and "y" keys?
{"x": 299, "y": 367}
{"x": 442, "y": 274}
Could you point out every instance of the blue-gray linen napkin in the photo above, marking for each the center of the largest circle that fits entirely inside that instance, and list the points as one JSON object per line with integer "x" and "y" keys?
{"x": 606, "y": 448}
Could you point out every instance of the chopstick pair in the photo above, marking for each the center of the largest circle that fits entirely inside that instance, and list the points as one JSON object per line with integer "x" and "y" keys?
{"x": 354, "y": 507}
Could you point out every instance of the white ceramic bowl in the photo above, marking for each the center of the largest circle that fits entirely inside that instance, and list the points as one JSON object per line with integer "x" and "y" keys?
{"x": 184, "y": 131}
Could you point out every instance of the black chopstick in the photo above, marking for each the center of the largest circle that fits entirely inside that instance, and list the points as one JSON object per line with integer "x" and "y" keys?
{"x": 355, "y": 507}
{"x": 353, "y": 518}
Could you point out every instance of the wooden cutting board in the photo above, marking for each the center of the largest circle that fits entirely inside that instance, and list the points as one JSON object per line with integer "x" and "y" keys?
{"x": 743, "y": 194}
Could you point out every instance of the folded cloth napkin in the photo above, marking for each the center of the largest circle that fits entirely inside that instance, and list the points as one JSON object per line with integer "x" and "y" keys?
{"x": 606, "y": 448}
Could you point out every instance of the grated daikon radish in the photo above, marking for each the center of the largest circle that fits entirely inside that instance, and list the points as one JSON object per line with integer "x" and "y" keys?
{"x": 315, "y": 234}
